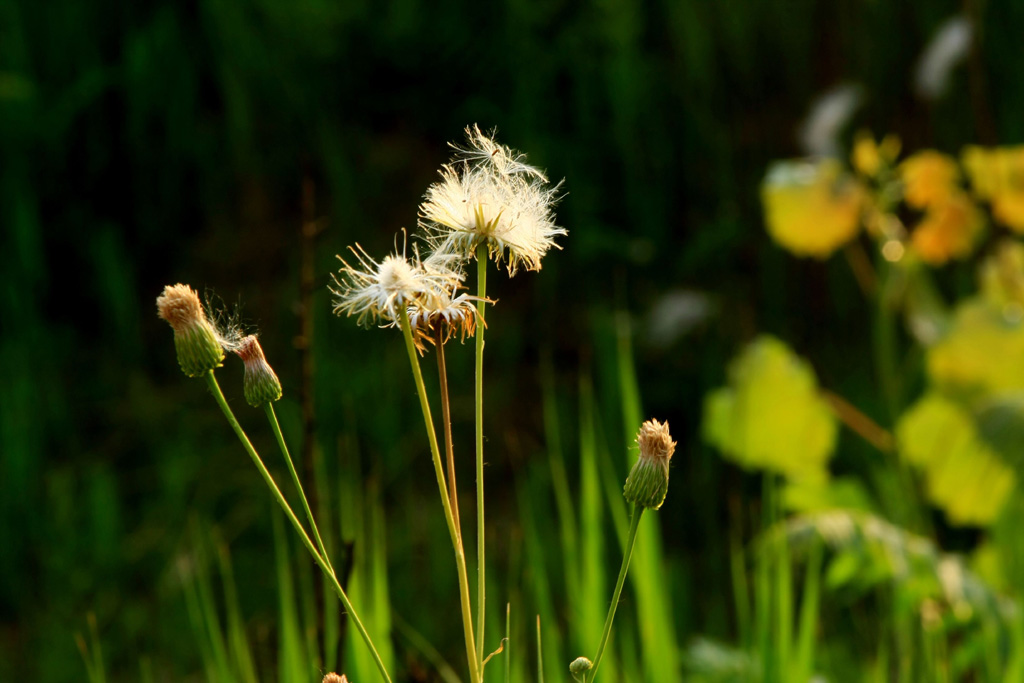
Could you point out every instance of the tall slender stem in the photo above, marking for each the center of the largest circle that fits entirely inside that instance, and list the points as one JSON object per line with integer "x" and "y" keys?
{"x": 279, "y": 497}
{"x": 446, "y": 419}
{"x": 634, "y": 524}
{"x": 481, "y": 555}
{"x": 435, "y": 452}
{"x": 276, "y": 427}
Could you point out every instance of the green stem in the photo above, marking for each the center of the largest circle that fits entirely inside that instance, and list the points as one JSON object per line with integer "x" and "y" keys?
{"x": 481, "y": 556}
{"x": 276, "y": 427}
{"x": 435, "y": 452}
{"x": 634, "y": 524}
{"x": 272, "y": 485}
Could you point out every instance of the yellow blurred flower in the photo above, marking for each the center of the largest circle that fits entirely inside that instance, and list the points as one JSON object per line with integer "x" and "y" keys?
{"x": 983, "y": 352}
{"x": 811, "y": 207}
{"x": 770, "y": 415}
{"x": 929, "y": 178}
{"x": 949, "y": 230}
{"x": 1001, "y": 277}
{"x": 869, "y": 158}
{"x": 997, "y": 176}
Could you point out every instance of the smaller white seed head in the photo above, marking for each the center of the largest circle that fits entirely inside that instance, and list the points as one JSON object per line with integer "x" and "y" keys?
{"x": 379, "y": 291}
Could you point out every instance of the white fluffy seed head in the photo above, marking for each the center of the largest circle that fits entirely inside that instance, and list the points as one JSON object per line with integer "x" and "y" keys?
{"x": 378, "y": 291}
{"x": 489, "y": 195}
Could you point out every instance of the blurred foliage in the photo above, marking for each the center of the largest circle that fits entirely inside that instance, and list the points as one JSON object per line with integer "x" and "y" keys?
{"x": 771, "y": 416}
{"x": 150, "y": 143}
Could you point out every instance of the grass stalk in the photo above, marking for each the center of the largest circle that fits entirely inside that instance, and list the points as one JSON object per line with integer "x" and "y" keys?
{"x": 446, "y": 420}
{"x": 435, "y": 452}
{"x": 481, "y": 555}
{"x": 508, "y": 642}
{"x": 634, "y": 524}
{"x": 276, "y": 427}
{"x": 540, "y": 655}
{"x": 218, "y": 395}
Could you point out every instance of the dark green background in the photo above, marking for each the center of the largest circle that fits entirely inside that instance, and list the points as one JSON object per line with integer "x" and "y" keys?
{"x": 149, "y": 143}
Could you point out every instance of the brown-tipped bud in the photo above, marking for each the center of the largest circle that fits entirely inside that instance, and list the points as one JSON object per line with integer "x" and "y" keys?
{"x": 335, "y": 678}
{"x": 195, "y": 339}
{"x": 261, "y": 385}
{"x": 647, "y": 483}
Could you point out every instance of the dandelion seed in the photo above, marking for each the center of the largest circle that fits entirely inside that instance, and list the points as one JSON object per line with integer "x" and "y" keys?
{"x": 196, "y": 339}
{"x": 948, "y": 47}
{"x": 378, "y": 291}
{"x": 490, "y": 196}
{"x": 819, "y": 133}
{"x": 504, "y": 160}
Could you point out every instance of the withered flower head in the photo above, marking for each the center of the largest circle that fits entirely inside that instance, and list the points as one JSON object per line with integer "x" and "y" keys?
{"x": 647, "y": 483}
{"x": 196, "y": 339}
{"x": 260, "y": 383}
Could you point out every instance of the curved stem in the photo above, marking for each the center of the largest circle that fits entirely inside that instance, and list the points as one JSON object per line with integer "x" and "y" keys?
{"x": 446, "y": 420}
{"x": 481, "y": 556}
{"x": 279, "y": 497}
{"x": 634, "y": 524}
{"x": 435, "y": 452}
{"x": 276, "y": 427}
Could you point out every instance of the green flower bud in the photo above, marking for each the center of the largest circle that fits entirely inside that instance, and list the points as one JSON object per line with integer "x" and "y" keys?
{"x": 195, "y": 338}
{"x": 647, "y": 483}
{"x": 580, "y": 665}
{"x": 261, "y": 385}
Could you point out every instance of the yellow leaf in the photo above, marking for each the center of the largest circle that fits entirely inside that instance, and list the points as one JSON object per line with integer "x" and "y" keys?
{"x": 982, "y": 354}
{"x": 770, "y": 416}
{"x": 963, "y": 476}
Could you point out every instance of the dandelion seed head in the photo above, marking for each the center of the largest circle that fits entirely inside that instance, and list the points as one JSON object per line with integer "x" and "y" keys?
{"x": 489, "y": 195}
{"x": 378, "y": 291}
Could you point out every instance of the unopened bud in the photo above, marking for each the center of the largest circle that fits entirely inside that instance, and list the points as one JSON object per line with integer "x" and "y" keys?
{"x": 647, "y": 483}
{"x": 261, "y": 385}
{"x": 335, "y": 678}
{"x": 195, "y": 338}
{"x": 580, "y": 665}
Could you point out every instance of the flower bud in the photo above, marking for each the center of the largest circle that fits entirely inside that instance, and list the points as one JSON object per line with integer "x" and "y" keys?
{"x": 335, "y": 678}
{"x": 195, "y": 338}
{"x": 580, "y": 665}
{"x": 647, "y": 482}
{"x": 261, "y": 385}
